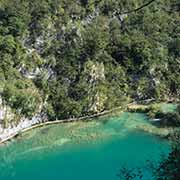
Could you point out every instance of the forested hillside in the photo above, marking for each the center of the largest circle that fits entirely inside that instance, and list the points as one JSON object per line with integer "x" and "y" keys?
{"x": 74, "y": 57}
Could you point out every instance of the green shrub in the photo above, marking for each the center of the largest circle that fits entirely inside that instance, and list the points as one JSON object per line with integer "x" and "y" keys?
{"x": 24, "y": 101}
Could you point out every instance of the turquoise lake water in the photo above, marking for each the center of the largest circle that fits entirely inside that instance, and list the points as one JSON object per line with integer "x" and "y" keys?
{"x": 94, "y": 150}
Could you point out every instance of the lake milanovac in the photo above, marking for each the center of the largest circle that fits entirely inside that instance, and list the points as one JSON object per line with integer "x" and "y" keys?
{"x": 93, "y": 150}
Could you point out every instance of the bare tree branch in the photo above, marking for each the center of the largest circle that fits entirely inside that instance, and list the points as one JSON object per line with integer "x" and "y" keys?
{"x": 137, "y": 9}
{"x": 130, "y": 11}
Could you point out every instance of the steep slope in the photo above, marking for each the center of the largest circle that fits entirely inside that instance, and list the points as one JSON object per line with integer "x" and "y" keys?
{"x": 67, "y": 58}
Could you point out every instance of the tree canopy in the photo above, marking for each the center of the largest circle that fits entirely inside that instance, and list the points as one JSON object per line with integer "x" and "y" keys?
{"x": 84, "y": 56}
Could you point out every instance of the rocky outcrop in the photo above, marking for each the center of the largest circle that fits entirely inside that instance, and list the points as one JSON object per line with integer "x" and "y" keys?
{"x": 95, "y": 76}
{"x": 98, "y": 101}
{"x": 9, "y": 127}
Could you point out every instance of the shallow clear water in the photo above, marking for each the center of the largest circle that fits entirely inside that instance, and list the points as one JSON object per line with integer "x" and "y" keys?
{"x": 84, "y": 150}
{"x": 168, "y": 107}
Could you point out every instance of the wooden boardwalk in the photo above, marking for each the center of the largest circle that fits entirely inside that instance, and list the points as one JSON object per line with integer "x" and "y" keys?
{"x": 84, "y": 118}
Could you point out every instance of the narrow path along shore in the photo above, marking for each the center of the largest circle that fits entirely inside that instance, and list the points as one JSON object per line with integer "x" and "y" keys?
{"x": 59, "y": 122}
{"x": 132, "y": 105}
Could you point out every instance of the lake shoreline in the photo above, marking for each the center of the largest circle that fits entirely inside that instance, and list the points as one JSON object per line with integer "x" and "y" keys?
{"x": 129, "y": 107}
{"x": 69, "y": 120}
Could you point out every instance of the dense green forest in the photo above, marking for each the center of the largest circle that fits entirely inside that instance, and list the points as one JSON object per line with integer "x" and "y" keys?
{"x": 77, "y": 57}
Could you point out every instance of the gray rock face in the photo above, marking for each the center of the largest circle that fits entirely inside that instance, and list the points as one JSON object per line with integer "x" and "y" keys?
{"x": 95, "y": 76}
{"x": 9, "y": 127}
